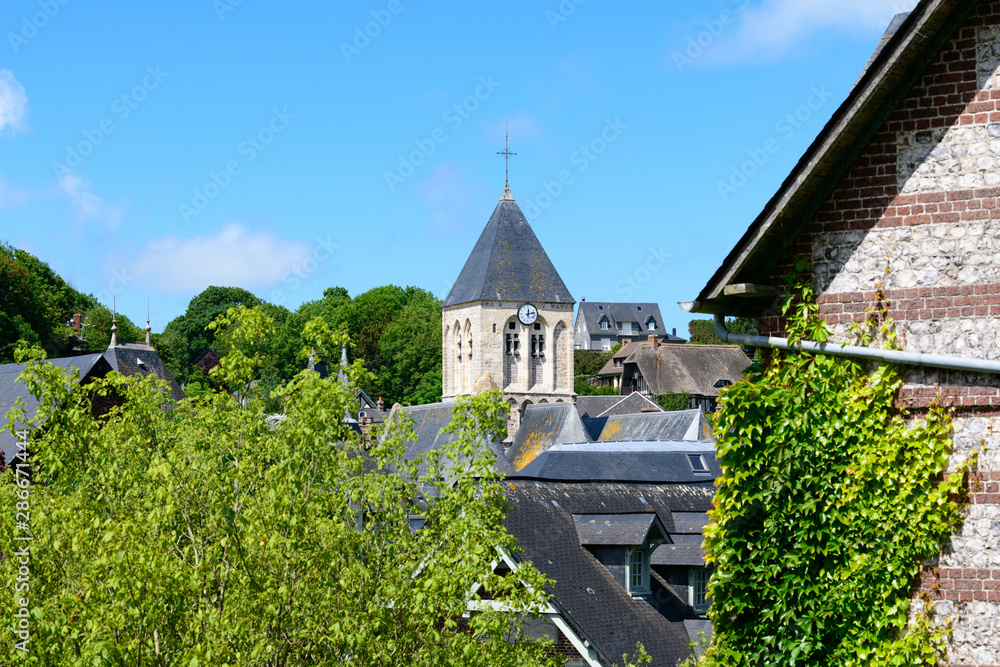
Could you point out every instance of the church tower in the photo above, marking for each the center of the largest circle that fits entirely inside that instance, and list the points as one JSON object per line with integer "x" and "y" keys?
{"x": 508, "y": 321}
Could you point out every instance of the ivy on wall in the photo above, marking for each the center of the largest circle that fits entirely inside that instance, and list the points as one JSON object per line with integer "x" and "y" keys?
{"x": 829, "y": 500}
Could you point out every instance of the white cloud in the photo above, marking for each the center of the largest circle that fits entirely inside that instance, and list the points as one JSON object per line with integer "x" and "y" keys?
{"x": 13, "y": 103}
{"x": 768, "y": 31}
{"x": 89, "y": 206}
{"x": 236, "y": 255}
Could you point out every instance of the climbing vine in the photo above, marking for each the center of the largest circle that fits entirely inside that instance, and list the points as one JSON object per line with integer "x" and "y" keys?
{"x": 829, "y": 500}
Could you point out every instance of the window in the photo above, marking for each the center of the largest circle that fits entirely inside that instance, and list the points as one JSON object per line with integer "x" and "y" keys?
{"x": 638, "y": 307}
{"x": 604, "y": 324}
{"x": 638, "y": 572}
{"x": 626, "y": 328}
{"x": 652, "y": 325}
{"x": 605, "y": 344}
{"x": 494, "y": 327}
{"x": 698, "y": 463}
{"x": 511, "y": 325}
{"x": 538, "y": 326}
{"x": 700, "y": 598}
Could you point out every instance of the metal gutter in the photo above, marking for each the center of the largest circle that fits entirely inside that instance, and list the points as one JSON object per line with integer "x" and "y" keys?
{"x": 855, "y": 352}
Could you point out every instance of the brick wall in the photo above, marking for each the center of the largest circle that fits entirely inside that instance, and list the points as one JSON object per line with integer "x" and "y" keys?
{"x": 917, "y": 216}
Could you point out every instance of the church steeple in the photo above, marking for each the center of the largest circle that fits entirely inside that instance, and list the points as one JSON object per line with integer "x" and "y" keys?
{"x": 508, "y": 263}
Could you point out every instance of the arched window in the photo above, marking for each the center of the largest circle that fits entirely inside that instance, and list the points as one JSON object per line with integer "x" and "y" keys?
{"x": 512, "y": 351}
{"x": 456, "y": 358}
{"x": 467, "y": 351}
{"x": 537, "y": 360}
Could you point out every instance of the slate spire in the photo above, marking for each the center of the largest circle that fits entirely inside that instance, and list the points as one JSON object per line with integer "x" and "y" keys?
{"x": 508, "y": 264}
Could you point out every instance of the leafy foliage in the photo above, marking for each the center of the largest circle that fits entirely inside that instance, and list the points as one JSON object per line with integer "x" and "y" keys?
{"x": 827, "y": 504}
{"x": 199, "y": 536}
{"x": 702, "y": 332}
{"x": 96, "y": 329}
{"x": 670, "y": 402}
{"x": 586, "y": 364}
{"x": 35, "y": 304}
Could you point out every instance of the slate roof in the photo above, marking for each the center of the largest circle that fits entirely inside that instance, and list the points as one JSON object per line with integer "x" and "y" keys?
{"x": 89, "y": 365}
{"x": 890, "y": 32}
{"x": 608, "y": 406}
{"x": 593, "y": 311}
{"x": 428, "y": 420}
{"x": 673, "y": 369}
{"x": 646, "y": 462}
{"x": 542, "y": 426}
{"x": 687, "y": 547}
{"x": 892, "y": 73}
{"x": 141, "y": 360}
{"x": 689, "y": 553}
{"x": 613, "y": 529}
{"x": 674, "y": 425}
{"x": 589, "y": 598}
{"x": 508, "y": 264}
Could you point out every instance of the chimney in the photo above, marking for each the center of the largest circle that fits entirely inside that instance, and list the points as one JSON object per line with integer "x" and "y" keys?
{"x": 675, "y": 332}
{"x": 77, "y": 322}
{"x": 654, "y": 341}
{"x": 380, "y": 404}
{"x": 582, "y": 299}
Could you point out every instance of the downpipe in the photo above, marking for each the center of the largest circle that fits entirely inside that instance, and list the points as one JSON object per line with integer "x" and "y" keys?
{"x": 835, "y": 349}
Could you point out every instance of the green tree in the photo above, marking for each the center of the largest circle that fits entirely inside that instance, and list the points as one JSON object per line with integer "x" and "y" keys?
{"x": 586, "y": 364}
{"x": 96, "y": 329}
{"x": 410, "y": 348}
{"x": 36, "y": 305}
{"x": 199, "y": 536}
{"x": 702, "y": 332}
{"x": 186, "y": 337}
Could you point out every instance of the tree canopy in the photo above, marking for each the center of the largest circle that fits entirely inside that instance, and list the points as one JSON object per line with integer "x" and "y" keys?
{"x": 36, "y": 305}
{"x": 202, "y": 536}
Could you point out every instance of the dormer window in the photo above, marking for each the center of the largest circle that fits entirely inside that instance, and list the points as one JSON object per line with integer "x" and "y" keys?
{"x": 638, "y": 572}
{"x": 623, "y": 544}
{"x": 698, "y": 586}
{"x": 604, "y": 324}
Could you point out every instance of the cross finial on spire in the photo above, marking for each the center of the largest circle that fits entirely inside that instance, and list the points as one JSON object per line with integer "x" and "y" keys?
{"x": 506, "y": 157}
{"x": 114, "y": 325}
{"x": 149, "y": 329}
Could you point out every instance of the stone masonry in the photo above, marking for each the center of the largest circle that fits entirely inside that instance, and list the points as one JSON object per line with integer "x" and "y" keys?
{"x": 475, "y": 355}
{"x": 917, "y": 216}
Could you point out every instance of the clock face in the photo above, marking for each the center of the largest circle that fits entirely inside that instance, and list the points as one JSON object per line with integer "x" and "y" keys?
{"x": 527, "y": 314}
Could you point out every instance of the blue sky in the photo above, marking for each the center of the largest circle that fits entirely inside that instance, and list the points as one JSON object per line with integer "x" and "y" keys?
{"x": 154, "y": 149}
